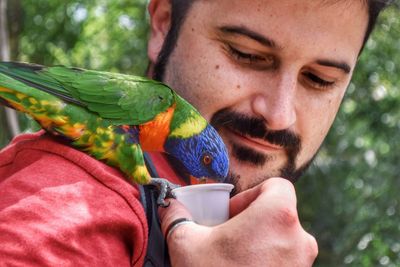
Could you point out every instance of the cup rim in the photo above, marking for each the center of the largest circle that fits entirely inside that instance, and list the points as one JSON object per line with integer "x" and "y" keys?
{"x": 205, "y": 187}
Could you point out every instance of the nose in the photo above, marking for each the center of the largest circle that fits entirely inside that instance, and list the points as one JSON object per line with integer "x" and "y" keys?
{"x": 276, "y": 102}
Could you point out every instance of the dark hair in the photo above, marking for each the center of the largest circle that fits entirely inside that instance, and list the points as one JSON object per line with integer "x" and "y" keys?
{"x": 375, "y": 7}
{"x": 180, "y": 9}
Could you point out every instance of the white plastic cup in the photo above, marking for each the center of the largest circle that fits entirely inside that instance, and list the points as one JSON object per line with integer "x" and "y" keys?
{"x": 207, "y": 203}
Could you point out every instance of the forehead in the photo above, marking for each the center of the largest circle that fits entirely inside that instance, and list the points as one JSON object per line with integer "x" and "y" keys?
{"x": 330, "y": 23}
{"x": 255, "y": 10}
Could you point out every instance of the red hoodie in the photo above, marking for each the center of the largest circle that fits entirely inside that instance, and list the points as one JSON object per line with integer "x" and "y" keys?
{"x": 61, "y": 207}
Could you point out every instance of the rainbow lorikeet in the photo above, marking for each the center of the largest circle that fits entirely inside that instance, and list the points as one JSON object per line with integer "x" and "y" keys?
{"x": 113, "y": 117}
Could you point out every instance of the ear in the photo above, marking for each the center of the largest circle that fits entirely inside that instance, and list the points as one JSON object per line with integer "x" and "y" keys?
{"x": 160, "y": 21}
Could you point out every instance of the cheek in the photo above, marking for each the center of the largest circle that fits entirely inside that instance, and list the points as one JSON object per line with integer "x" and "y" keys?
{"x": 194, "y": 83}
{"x": 202, "y": 76}
{"x": 315, "y": 122}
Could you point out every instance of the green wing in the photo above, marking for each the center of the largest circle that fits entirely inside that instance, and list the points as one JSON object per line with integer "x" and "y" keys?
{"x": 118, "y": 98}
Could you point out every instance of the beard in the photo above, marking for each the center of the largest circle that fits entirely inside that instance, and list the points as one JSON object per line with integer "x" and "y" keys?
{"x": 245, "y": 125}
{"x": 255, "y": 127}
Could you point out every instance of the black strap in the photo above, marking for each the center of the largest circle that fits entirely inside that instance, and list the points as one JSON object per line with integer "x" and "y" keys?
{"x": 157, "y": 250}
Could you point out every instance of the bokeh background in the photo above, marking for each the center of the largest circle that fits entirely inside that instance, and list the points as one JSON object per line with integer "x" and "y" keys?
{"x": 349, "y": 199}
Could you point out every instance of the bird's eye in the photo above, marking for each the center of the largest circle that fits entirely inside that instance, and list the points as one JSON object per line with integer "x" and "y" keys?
{"x": 207, "y": 159}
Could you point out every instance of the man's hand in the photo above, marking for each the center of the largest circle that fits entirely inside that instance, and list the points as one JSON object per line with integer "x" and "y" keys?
{"x": 264, "y": 230}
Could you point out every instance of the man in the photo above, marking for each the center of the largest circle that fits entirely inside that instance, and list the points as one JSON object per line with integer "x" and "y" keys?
{"x": 269, "y": 75}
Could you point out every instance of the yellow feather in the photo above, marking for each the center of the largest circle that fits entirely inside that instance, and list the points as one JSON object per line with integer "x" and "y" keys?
{"x": 195, "y": 124}
{"x": 140, "y": 174}
{"x": 33, "y": 101}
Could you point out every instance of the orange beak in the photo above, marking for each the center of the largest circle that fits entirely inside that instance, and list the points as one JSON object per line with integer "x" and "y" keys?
{"x": 203, "y": 180}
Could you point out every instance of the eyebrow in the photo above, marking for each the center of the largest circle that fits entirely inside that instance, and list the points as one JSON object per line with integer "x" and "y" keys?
{"x": 266, "y": 41}
{"x": 336, "y": 64}
{"x": 241, "y": 30}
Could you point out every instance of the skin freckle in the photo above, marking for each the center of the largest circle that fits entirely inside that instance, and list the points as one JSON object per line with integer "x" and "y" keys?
{"x": 238, "y": 86}
{"x": 216, "y": 67}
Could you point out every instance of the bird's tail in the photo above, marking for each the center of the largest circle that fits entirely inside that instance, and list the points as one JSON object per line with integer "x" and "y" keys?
{"x": 50, "y": 111}
{"x": 19, "y": 95}
{"x": 37, "y": 76}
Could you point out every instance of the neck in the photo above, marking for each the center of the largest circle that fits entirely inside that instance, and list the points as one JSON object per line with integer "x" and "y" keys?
{"x": 153, "y": 134}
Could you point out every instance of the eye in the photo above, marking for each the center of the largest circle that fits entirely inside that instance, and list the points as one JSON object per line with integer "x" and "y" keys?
{"x": 318, "y": 82}
{"x": 207, "y": 159}
{"x": 252, "y": 60}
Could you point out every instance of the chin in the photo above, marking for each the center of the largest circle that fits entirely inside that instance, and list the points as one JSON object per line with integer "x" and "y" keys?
{"x": 245, "y": 177}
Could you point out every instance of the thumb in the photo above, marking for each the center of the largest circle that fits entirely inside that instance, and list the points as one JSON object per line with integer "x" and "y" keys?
{"x": 241, "y": 201}
{"x": 173, "y": 212}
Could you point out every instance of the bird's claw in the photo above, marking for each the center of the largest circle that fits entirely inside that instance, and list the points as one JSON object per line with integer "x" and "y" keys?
{"x": 165, "y": 188}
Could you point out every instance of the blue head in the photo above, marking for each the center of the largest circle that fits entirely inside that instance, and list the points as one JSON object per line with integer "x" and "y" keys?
{"x": 204, "y": 155}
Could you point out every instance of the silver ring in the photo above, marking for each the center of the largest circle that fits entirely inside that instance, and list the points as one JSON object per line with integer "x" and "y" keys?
{"x": 175, "y": 224}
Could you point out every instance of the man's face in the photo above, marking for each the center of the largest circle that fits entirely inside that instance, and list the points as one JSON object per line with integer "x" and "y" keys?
{"x": 269, "y": 75}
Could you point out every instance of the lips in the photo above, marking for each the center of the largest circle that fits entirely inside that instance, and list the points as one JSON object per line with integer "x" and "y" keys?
{"x": 253, "y": 133}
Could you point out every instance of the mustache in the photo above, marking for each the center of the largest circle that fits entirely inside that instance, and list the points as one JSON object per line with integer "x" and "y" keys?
{"x": 255, "y": 127}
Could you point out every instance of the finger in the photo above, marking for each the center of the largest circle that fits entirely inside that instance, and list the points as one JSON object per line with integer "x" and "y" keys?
{"x": 274, "y": 201}
{"x": 281, "y": 210}
{"x": 170, "y": 214}
{"x": 281, "y": 190}
{"x": 242, "y": 200}
{"x": 271, "y": 188}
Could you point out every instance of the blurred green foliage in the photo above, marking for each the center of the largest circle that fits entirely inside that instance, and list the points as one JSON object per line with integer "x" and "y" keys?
{"x": 97, "y": 34}
{"x": 349, "y": 199}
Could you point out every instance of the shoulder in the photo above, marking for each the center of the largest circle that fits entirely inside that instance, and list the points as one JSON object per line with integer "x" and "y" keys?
{"x": 60, "y": 205}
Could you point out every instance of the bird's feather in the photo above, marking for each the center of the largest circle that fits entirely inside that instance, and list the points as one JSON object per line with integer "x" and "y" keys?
{"x": 122, "y": 99}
